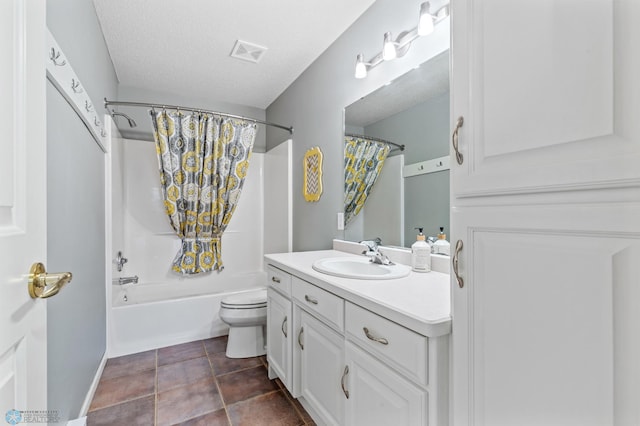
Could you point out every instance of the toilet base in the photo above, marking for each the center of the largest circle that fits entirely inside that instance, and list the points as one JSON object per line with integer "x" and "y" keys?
{"x": 246, "y": 342}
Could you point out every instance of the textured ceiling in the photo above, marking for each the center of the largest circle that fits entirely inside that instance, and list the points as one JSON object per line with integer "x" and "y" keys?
{"x": 429, "y": 80}
{"x": 184, "y": 46}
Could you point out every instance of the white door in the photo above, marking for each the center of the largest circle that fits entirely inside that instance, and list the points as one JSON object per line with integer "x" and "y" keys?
{"x": 547, "y": 205}
{"x": 321, "y": 368}
{"x": 23, "y": 328}
{"x": 279, "y": 325}
{"x": 378, "y": 395}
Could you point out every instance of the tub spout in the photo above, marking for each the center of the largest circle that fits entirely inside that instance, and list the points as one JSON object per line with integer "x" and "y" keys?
{"x": 128, "y": 280}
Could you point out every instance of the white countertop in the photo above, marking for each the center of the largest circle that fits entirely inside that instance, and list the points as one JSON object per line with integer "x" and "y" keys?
{"x": 420, "y": 301}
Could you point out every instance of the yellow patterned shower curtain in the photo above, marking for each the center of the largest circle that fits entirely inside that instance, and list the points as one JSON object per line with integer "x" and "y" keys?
{"x": 203, "y": 160}
{"x": 363, "y": 161}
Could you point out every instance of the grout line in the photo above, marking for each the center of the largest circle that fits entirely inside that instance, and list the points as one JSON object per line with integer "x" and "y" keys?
{"x": 215, "y": 380}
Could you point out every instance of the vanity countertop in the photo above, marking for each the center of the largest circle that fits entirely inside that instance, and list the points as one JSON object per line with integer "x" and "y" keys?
{"x": 420, "y": 301}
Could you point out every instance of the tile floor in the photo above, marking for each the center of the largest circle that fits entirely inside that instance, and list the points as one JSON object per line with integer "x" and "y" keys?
{"x": 192, "y": 384}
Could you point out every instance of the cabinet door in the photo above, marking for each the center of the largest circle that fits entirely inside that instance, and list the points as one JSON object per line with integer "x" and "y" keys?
{"x": 279, "y": 336}
{"x": 547, "y": 204}
{"x": 549, "y": 95}
{"x": 545, "y": 328}
{"x": 380, "y": 396}
{"x": 321, "y": 368}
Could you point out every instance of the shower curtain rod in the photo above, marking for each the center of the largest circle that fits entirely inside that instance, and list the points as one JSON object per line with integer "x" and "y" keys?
{"x": 177, "y": 107}
{"x": 350, "y": 135}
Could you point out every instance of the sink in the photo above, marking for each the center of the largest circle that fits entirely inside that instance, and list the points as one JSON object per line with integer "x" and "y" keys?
{"x": 359, "y": 268}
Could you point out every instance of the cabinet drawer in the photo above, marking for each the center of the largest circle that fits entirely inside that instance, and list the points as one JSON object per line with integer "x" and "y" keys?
{"x": 279, "y": 279}
{"x": 315, "y": 299}
{"x": 400, "y": 347}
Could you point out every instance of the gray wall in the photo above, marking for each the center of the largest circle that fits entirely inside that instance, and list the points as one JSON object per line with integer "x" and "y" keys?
{"x": 141, "y": 115}
{"x": 76, "y": 318}
{"x": 424, "y": 129}
{"x": 314, "y": 106}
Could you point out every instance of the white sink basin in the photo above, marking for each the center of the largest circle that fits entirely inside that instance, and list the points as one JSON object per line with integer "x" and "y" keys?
{"x": 359, "y": 268}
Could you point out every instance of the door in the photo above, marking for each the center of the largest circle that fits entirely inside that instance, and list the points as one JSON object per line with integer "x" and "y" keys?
{"x": 321, "y": 368}
{"x": 380, "y": 396}
{"x": 546, "y": 202}
{"x": 23, "y": 328}
{"x": 279, "y": 324}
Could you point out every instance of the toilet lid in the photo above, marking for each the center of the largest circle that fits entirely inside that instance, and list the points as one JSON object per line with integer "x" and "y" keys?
{"x": 249, "y": 299}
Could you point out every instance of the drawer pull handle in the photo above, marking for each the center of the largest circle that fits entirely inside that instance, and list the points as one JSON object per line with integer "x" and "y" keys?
{"x": 455, "y": 263}
{"x": 370, "y": 336}
{"x": 342, "y": 380}
{"x": 284, "y": 330}
{"x": 454, "y": 139}
{"x": 310, "y": 299}
{"x": 275, "y": 279}
{"x": 300, "y": 337}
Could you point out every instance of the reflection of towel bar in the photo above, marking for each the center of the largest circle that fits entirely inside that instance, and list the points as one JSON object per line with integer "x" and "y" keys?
{"x": 424, "y": 167}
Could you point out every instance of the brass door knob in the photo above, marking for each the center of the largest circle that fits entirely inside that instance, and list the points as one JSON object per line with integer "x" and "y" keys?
{"x": 43, "y": 284}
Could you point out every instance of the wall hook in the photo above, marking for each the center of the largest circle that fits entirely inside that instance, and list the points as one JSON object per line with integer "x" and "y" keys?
{"x": 53, "y": 55}
{"x": 75, "y": 86}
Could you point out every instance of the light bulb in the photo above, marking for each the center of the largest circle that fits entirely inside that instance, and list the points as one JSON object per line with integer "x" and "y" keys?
{"x": 388, "y": 48}
{"x": 425, "y": 22}
{"x": 361, "y": 67}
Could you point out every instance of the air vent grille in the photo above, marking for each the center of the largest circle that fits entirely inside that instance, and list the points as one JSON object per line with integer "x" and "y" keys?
{"x": 248, "y": 51}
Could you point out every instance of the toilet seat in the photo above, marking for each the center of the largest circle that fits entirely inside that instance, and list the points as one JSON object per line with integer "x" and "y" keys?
{"x": 247, "y": 300}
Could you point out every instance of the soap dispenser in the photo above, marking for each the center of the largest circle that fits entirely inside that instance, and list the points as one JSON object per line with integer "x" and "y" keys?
{"x": 442, "y": 246}
{"x": 421, "y": 254}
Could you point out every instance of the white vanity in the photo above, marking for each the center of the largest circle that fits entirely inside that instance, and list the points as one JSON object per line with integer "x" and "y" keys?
{"x": 359, "y": 352}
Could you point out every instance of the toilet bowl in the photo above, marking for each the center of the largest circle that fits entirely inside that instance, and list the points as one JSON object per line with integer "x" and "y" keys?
{"x": 246, "y": 315}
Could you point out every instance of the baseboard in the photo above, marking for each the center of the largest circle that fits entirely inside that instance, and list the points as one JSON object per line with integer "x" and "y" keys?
{"x": 81, "y": 421}
{"x": 92, "y": 390}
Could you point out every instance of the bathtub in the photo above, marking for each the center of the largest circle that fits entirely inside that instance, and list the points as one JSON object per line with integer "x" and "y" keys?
{"x": 148, "y": 316}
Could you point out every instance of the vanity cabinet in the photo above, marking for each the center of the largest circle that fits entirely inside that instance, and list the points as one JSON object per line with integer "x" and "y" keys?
{"x": 349, "y": 365}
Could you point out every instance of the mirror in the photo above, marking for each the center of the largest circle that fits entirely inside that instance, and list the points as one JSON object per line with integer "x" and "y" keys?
{"x": 412, "y": 189}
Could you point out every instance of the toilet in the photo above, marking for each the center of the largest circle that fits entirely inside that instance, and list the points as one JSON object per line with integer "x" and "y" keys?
{"x": 246, "y": 315}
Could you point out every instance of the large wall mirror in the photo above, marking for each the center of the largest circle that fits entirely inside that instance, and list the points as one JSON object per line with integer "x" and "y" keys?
{"x": 412, "y": 189}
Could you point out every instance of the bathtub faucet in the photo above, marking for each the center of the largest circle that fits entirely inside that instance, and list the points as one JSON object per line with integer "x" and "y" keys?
{"x": 128, "y": 280}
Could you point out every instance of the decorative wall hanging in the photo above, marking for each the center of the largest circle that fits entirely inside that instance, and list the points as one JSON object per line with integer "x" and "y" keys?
{"x": 312, "y": 186}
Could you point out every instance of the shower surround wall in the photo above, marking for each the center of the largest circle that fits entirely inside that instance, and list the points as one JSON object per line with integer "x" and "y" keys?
{"x": 142, "y": 229}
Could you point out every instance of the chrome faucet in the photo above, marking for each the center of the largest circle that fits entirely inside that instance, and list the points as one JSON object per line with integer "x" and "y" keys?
{"x": 378, "y": 258}
{"x": 128, "y": 280}
{"x": 372, "y": 245}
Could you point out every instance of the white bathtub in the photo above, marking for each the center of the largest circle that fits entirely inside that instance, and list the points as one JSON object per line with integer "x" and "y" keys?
{"x": 147, "y": 316}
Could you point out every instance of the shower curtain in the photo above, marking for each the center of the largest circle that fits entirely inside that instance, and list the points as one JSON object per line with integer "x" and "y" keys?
{"x": 203, "y": 160}
{"x": 363, "y": 161}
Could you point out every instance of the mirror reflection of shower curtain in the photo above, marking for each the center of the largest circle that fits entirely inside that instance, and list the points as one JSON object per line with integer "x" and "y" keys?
{"x": 363, "y": 161}
{"x": 203, "y": 160}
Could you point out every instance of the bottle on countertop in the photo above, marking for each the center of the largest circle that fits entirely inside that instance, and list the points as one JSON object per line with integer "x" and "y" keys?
{"x": 442, "y": 246}
{"x": 421, "y": 254}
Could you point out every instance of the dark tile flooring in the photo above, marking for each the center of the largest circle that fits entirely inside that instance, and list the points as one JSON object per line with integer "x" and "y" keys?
{"x": 192, "y": 384}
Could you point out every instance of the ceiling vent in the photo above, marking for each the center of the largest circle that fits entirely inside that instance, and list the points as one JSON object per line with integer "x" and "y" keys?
{"x": 248, "y": 51}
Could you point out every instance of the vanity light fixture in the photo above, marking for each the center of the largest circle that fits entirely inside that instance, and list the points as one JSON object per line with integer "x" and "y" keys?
{"x": 392, "y": 49}
{"x": 388, "y": 48}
